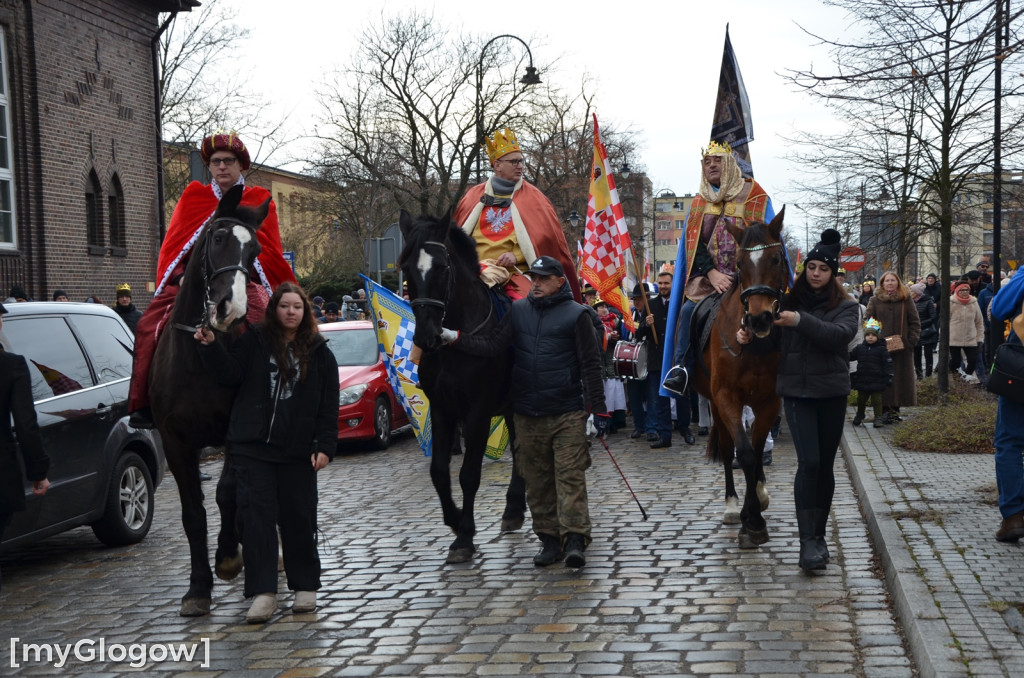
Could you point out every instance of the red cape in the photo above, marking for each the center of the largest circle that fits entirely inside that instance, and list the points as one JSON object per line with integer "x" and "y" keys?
{"x": 541, "y": 223}
{"x": 197, "y": 204}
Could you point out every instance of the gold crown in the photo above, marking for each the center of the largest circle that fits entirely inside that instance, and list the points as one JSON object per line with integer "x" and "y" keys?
{"x": 715, "y": 148}
{"x": 124, "y": 287}
{"x": 501, "y": 144}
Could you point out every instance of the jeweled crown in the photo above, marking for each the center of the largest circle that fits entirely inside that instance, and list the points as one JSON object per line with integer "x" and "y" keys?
{"x": 715, "y": 148}
{"x": 872, "y": 325}
{"x": 501, "y": 144}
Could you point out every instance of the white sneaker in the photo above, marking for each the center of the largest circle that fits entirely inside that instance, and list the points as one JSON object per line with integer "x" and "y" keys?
{"x": 305, "y": 601}
{"x": 263, "y": 606}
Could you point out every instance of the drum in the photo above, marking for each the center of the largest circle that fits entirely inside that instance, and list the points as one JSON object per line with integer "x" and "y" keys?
{"x": 629, "y": 359}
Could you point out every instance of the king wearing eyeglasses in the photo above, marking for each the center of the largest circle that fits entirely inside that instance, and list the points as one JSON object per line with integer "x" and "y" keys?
{"x": 227, "y": 158}
{"x": 512, "y": 222}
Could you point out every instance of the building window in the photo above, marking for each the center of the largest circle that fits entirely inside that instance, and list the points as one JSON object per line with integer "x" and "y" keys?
{"x": 7, "y": 234}
{"x": 115, "y": 215}
{"x": 94, "y": 214}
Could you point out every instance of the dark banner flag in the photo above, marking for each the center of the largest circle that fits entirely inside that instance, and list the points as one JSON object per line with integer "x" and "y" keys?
{"x": 731, "y": 122}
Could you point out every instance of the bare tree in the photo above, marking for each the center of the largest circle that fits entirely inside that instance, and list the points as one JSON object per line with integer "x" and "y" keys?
{"x": 398, "y": 127}
{"x": 203, "y": 89}
{"x": 918, "y": 85}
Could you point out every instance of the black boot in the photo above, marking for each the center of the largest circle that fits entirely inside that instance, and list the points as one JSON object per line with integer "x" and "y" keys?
{"x": 820, "y": 525}
{"x": 141, "y": 418}
{"x": 575, "y": 544}
{"x": 676, "y": 380}
{"x": 551, "y": 553}
{"x": 810, "y": 557}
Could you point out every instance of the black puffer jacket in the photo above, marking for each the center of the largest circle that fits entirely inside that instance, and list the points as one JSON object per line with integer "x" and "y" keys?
{"x": 309, "y": 414}
{"x": 874, "y": 367}
{"x": 929, "y": 320}
{"x": 815, "y": 354}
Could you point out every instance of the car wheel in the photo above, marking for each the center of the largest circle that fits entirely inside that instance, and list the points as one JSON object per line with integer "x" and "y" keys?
{"x": 381, "y": 424}
{"x": 129, "y": 504}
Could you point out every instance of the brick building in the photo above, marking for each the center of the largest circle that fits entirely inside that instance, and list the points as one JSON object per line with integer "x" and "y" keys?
{"x": 79, "y": 150}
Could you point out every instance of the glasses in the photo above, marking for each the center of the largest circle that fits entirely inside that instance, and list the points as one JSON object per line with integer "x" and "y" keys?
{"x": 983, "y": 266}
{"x": 227, "y": 162}
{"x": 515, "y": 163}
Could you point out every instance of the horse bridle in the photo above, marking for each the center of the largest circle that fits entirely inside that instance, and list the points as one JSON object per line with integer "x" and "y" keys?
{"x": 206, "y": 263}
{"x": 764, "y": 290}
{"x": 449, "y": 288}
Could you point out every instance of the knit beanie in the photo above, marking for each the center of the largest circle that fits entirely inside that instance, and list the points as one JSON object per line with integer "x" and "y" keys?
{"x": 917, "y": 289}
{"x": 827, "y": 249}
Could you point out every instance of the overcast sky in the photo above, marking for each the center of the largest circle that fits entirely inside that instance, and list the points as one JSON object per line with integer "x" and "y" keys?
{"x": 661, "y": 82}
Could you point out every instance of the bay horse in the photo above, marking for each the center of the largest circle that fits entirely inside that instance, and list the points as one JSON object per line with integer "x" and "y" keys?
{"x": 190, "y": 409}
{"x": 732, "y": 375}
{"x": 440, "y": 264}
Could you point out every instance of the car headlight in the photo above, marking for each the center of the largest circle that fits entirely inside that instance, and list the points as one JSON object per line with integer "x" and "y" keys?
{"x": 352, "y": 394}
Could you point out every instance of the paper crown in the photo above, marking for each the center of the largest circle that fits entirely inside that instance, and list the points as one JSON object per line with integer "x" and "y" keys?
{"x": 872, "y": 325}
{"x": 715, "y": 148}
{"x": 501, "y": 144}
{"x": 124, "y": 287}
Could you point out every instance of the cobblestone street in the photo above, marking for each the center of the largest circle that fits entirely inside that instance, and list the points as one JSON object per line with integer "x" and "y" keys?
{"x": 672, "y": 596}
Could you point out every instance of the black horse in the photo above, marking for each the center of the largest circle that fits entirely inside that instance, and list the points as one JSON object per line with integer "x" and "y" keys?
{"x": 189, "y": 408}
{"x": 440, "y": 263}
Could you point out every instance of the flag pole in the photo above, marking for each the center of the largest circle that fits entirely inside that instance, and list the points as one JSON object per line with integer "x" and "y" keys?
{"x": 647, "y": 306}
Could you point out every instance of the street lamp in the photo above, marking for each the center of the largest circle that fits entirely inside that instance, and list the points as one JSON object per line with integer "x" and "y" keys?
{"x": 530, "y": 78}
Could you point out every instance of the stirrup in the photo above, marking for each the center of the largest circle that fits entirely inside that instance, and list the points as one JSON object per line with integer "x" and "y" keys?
{"x": 676, "y": 380}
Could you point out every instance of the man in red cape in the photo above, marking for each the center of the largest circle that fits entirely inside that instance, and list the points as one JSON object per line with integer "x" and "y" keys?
{"x": 226, "y": 157}
{"x": 511, "y": 221}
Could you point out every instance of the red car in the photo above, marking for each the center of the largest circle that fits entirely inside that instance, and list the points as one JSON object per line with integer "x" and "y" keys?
{"x": 367, "y": 406}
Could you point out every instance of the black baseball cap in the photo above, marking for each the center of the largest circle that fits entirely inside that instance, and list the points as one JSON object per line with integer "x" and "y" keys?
{"x": 545, "y": 266}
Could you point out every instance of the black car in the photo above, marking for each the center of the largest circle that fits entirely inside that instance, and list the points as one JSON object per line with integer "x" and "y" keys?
{"x": 103, "y": 473}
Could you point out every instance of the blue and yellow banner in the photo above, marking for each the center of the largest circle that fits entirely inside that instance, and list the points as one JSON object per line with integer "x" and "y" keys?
{"x": 395, "y": 326}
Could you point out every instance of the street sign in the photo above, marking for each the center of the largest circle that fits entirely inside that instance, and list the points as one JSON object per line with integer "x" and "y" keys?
{"x": 289, "y": 256}
{"x": 852, "y": 258}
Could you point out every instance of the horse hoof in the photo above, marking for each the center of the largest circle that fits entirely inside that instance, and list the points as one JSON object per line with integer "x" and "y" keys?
{"x": 731, "y": 517}
{"x": 460, "y": 555}
{"x": 195, "y": 607}
{"x": 751, "y": 539}
{"x": 511, "y": 524}
{"x": 228, "y": 568}
{"x": 762, "y": 496}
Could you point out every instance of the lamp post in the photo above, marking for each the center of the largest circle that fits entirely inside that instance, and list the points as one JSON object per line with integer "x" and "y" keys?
{"x": 530, "y": 78}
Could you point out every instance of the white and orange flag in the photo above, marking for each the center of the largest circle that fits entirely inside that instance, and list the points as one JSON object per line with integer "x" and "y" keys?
{"x": 606, "y": 246}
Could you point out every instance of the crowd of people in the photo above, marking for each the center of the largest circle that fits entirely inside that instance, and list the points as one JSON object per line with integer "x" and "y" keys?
{"x": 578, "y": 366}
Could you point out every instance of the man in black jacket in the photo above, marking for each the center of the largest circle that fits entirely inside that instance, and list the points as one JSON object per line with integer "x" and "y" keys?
{"x": 659, "y": 409}
{"x": 556, "y": 375}
{"x": 125, "y": 308}
{"x": 16, "y": 403}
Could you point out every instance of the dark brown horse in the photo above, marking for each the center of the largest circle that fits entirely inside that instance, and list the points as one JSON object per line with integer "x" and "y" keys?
{"x": 189, "y": 408}
{"x": 440, "y": 264}
{"x": 733, "y": 375}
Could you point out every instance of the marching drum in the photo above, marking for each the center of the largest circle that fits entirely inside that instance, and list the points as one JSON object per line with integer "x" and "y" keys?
{"x": 629, "y": 359}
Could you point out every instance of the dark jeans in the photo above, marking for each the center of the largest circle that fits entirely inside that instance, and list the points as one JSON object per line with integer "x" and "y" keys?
{"x": 970, "y": 354}
{"x": 268, "y": 494}
{"x": 659, "y": 410}
{"x": 816, "y": 425}
{"x": 928, "y": 352}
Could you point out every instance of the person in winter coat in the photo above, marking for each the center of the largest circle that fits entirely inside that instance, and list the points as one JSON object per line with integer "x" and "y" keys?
{"x": 283, "y": 429}
{"x": 125, "y": 308}
{"x": 929, "y": 315}
{"x": 892, "y": 306}
{"x": 818, "y": 320}
{"x": 966, "y": 331}
{"x": 874, "y": 372}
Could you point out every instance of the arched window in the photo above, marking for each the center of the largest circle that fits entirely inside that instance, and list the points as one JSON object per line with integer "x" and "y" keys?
{"x": 115, "y": 209}
{"x": 94, "y": 214}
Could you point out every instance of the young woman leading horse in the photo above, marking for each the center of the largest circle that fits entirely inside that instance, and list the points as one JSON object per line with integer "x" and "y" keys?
{"x": 732, "y": 376}
{"x": 818, "y": 320}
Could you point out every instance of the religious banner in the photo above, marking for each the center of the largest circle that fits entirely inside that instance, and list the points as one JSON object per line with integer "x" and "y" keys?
{"x": 732, "y": 122}
{"x": 606, "y": 244}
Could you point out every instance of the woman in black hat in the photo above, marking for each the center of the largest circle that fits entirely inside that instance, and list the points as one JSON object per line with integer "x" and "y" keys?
{"x": 818, "y": 320}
